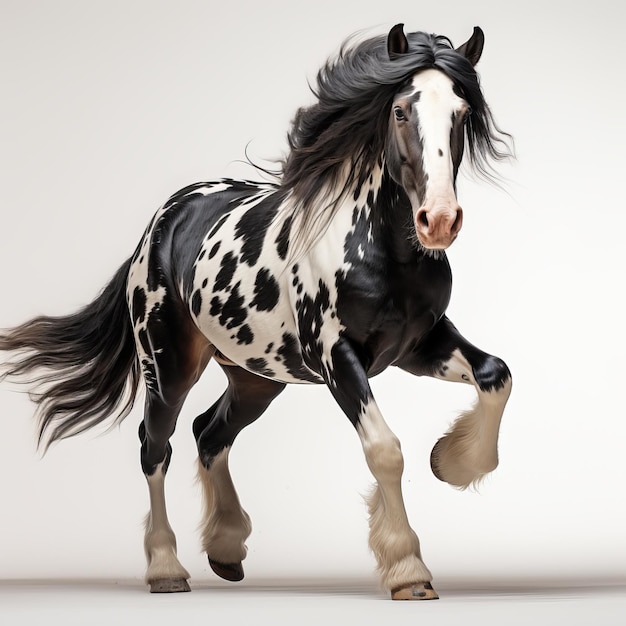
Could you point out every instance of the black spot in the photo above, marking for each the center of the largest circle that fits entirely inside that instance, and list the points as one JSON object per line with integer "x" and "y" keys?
{"x": 216, "y": 306}
{"x": 214, "y": 249}
{"x": 252, "y": 227}
{"x": 310, "y": 313}
{"x": 259, "y": 366}
{"x": 233, "y": 310}
{"x": 201, "y": 255}
{"x": 358, "y": 188}
{"x": 196, "y": 302}
{"x": 291, "y": 356}
{"x": 282, "y": 241}
{"x": 358, "y": 239}
{"x": 312, "y": 310}
{"x": 204, "y": 283}
{"x": 370, "y": 198}
{"x": 266, "y": 291}
{"x": 138, "y": 306}
{"x": 269, "y": 347}
{"x": 245, "y": 335}
{"x": 294, "y": 269}
{"x": 226, "y": 273}
{"x": 440, "y": 152}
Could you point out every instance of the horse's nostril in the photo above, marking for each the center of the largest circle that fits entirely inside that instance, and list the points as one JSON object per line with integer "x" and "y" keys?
{"x": 422, "y": 218}
{"x": 458, "y": 222}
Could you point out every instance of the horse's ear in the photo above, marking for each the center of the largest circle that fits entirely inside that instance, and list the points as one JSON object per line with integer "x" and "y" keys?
{"x": 397, "y": 42}
{"x": 472, "y": 49}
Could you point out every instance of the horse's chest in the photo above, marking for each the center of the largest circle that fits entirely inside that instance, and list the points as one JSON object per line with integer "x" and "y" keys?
{"x": 389, "y": 309}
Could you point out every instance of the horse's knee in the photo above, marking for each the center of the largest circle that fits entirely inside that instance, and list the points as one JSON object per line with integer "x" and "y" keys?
{"x": 384, "y": 457}
{"x": 492, "y": 375}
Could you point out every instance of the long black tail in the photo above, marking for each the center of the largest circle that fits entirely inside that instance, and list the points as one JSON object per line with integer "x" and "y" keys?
{"x": 81, "y": 368}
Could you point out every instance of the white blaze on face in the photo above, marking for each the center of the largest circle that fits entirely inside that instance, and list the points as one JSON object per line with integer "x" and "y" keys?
{"x": 436, "y": 107}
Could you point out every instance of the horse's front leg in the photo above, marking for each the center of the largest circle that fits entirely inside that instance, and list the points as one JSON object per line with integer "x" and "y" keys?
{"x": 469, "y": 450}
{"x": 395, "y": 545}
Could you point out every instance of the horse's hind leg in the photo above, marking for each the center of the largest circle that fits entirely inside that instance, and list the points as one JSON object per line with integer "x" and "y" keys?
{"x": 164, "y": 572}
{"x": 173, "y": 355}
{"x": 226, "y": 525}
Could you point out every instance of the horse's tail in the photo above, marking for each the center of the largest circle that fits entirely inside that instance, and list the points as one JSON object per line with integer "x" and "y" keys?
{"x": 81, "y": 368}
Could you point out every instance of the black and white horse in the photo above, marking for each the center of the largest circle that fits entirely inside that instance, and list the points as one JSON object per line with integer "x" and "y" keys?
{"x": 328, "y": 276}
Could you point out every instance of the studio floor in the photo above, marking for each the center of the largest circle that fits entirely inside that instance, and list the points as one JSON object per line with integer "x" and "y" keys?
{"x": 314, "y": 601}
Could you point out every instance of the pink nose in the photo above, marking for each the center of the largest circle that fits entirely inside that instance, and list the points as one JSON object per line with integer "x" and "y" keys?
{"x": 437, "y": 229}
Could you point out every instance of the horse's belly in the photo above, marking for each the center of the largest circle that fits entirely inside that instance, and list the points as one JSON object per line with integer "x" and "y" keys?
{"x": 263, "y": 343}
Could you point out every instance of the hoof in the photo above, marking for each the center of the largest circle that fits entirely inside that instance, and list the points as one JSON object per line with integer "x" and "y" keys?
{"x": 434, "y": 461}
{"x": 228, "y": 571}
{"x": 169, "y": 585}
{"x": 417, "y": 591}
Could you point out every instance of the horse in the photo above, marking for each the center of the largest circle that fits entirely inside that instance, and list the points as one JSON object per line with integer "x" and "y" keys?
{"x": 328, "y": 273}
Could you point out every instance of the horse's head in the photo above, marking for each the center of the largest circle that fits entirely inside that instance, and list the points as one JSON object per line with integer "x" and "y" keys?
{"x": 426, "y": 140}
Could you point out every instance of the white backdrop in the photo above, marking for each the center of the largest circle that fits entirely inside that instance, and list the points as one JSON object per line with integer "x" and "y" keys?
{"x": 109, "y": 107}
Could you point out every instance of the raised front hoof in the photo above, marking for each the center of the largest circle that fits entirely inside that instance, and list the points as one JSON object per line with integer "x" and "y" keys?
{"x": 451, "y": 464}
{"x": 417, "y": 591}
{"x": 228, "y": 571}
{"x": 456, "y": 472}
{"x": 169, "y": 585}
{"x": 434, "y": 461}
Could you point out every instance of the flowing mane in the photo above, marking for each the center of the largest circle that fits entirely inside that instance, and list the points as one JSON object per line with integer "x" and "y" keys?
{"x": 336, "y": 142}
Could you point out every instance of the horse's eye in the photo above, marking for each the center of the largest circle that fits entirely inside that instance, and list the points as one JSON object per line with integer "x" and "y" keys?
{"x": 399, "y": 113}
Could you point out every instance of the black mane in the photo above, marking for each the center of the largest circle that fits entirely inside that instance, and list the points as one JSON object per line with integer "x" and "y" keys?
{"x": 336, "y": 142}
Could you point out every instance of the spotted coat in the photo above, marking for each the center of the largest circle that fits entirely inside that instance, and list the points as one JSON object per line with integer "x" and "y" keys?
{"x": 236, "y": 275}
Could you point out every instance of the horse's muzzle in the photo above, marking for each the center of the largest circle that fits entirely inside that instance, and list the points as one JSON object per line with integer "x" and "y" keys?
{"x": 437, "y": 228}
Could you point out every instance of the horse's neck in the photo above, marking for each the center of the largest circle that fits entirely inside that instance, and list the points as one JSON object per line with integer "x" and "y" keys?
{"x": 391, "y": 212}
{"x": 388, "y": 212}
{"x": 373, "y": 211}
